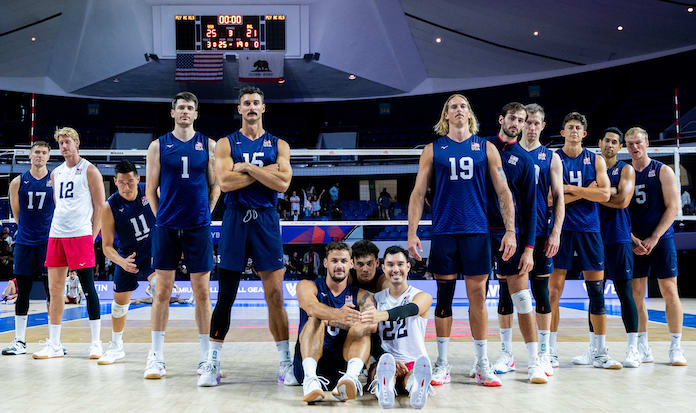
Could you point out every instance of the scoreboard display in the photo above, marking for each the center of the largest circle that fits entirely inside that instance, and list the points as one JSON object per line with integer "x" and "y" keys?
{"x": 230, "y": 32}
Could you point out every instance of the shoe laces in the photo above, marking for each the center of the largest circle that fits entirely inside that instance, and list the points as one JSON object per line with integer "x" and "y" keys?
{"x": 323, "y": 381}
{"x": 209, "y": 367}
{"x": 356, "y": 381}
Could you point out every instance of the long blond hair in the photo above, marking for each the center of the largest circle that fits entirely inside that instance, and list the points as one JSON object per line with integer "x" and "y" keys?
{"x": 67, "y": 132}
{"x": 442, "y": 126}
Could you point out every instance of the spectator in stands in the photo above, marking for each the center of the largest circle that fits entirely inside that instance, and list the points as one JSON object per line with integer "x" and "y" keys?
{"x": 307, "y": 207}
{"x": 687, "y": 206}
{"x": 73, "y": 289}
{"x": 5, "y": 258}
{"x": 316, "y": 204}
{"x": 295, "y": 204}
{"x": 334, "y": 194}
{"x": 284, "y": 207}
{"x": 384, "y": 202}
{"x": 9, "y": 295}
{"x": 295, "y": 265}
{"x": 336, "y": 212}
{"x": 7, "y": 237}
{"x": 311, "y": 261}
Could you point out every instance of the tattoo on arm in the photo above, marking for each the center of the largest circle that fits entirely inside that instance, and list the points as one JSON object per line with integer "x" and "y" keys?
{"x": 364, "y": 304}
{"x": 340, "y": 325}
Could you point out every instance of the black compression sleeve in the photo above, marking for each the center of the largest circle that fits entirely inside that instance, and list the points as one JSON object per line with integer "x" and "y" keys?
{"x": 403, "y": 311}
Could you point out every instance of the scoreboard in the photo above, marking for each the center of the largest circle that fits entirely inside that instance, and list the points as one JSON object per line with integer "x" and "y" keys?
{"x": 230, "y": 32}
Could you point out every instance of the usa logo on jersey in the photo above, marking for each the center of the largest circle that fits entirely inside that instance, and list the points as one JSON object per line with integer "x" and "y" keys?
{"x": 541, "y": 156}
{"x": 475, "y": 146}
{"x": 615, "y": 172}
{"x": 513, "y": 160}
{"x": 349, "y": 298}
{"x": 199, "y": 146}
{"x": 267, "y": 143}
{"x": 144, "y": 200}
{"x": 651, "y": 174}
{"x": 587, "y": 161}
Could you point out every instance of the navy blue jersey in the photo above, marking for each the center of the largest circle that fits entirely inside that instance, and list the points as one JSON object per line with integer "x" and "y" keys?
{"x": 459, "y": 192}
{"x": 183, "y": 202}
{"x": 260, "y": 152}
{"x": 519, "y": 170}
{"x": 615, "y": 223}
{"x": 581, "y": 215}
{"x": 36, "y": 206}
{"x": 542, "y": 157}
{"x": 334, "y": 336}
{"x": 133, "y": 221}
{"x": 648, "y": 203}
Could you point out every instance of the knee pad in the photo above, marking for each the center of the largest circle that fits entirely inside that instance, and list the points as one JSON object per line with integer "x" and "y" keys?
{"x": 445, "y": 295}
{"x": 523, "y": 301}
{"x": 118, "y": 310}
{"x": 595, "y": 290}
{"x": 540, "y": 289}
{"x": 505, "y": 306}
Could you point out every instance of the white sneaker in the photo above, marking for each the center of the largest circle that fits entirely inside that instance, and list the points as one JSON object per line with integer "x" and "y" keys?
{"x": 505, "y": 363}
{"x": 420, "y": 388}
{"x": 586, "y": 358}
{"x": 603, "y": 360}
{"x": 441, "y": 374}
{"x": 201, "y": 369}
{"x": 348, "y": 388}
{"x": 536, "y": 373}
{"x": 645, "y": 352}
{"x": 49, "y": 351}
{"x": 485, "y": 375}
{"x": 313, "y": 388}
{"x": 286, "y": 374}
{"x": 16, "y": 347}
{"x": 155, "y": 368}
{"x": 545, "y": 362}
{"x": 472, "y": 372}
{"x": 632, "y": 357}
{"x": 676, "y": 357}
{"x": 383, "y": 384}
{"x": 211, "y": 374}
{"x": 113, "y": 352}
{"x": 553, "y": 357}
{"x": 95, "y": 350}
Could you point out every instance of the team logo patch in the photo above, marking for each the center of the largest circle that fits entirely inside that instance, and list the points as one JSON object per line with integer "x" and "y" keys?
{"x": 513, "y": 160}
{"x": 78, "y": 171}
{"x": 651, "y": 174}
{"x": 267, "y": 143}
{"x": 144, "y": 200}
{"x": 587, "y": 160}
{"x": 541, "y": 156}
{"x": 49, "y": 184}
{"x": 475, "y": 146}
{"x": 349, "y": 298}
{"x": 199, "y": 146}
{"x": 615, "y": 171}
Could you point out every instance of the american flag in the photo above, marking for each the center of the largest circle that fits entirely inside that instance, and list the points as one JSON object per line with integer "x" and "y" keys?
{"x": 199, "y": 67}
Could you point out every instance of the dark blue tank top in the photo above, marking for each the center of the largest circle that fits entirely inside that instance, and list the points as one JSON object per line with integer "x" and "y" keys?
{"x": 542, "y": 157}
{"x": 260, "y": 152}
{"x": 334, "y": 337}
{"x": 581, "y": 215}
{"x": 648, "y": 204}
{"x": 133, "y": 223}
{"x": 459, "y": 192}
{"x": 184, "y": 202}
{"x": 615, "y": 223}
{"x": 36, "y": 206}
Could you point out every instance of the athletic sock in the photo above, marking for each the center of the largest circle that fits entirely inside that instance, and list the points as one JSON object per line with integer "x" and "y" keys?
{"x": 532, "y": 351}
{"x": 675, "y": 340}
{"x": 215, "y": 352}
{"x": 552, "y": 340}
{"x": 95, "y": 329}
{"x": 21, "y": 327}
{"x": 283, "y": 351}
{"x": 643, "y": 338}
{"x": 593, "y": 340}
{"x": 204, "y": 341}
{"x": 309, "y": 365}
{"x": 506, "y": 340}
{"x": 355, "y": 366}
{"x": 631, "y": 340}
{"x": 481, "y": 348}
{"x": 54, "y": 333}
{"x": 442, "y": 344}
{"x": 158, "y": 343}
{"x": 600, "y": 341}
{"x": 544, "y": 341}
{"x": 117, "y": 338}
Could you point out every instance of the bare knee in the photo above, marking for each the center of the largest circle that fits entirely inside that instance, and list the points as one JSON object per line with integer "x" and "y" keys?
{"x": 274, "y": 296}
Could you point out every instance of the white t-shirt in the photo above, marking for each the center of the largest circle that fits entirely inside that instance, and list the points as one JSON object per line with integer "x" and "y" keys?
{"x": 72, "y": 216}
{"x": 72, "y": 287}
{"x": 404, "y": 339}
{"x": 295, "y": 203}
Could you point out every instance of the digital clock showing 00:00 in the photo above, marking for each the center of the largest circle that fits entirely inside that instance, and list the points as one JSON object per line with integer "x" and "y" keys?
{"x": 230, "y": 32}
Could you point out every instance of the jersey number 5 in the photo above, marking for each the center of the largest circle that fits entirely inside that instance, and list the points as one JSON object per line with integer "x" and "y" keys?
{"x": 466, "y": 164}
{"x": 640, "y": 194}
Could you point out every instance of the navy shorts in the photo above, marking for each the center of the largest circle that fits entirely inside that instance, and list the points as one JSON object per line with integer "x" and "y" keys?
{"x": 588, "y": 246}
{"x": 126, "y": 281}
{"x": 467, "y": 254}
{"x": 509, "y": 267}
{"x": 196, "y": 244}
{"x": 543, "y": 265}
{"x": 251, "y": 233}
{"x": 661, "y": 263}
{"x": 329, "y": 366}
{"x": 618, "y": 261}
{"x": 29, "y": 259}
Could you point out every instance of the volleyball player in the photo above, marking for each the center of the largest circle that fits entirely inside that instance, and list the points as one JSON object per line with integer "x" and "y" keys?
{"x": 180, "y": 164}
{"x": 585, "y": 185}
{"x": 616, "y": 236}
{"x": 367, "y": 273}
{"x": 655, "y": 204}
{"x": 79, "y": 198}
{"x": 128, "y": 216}
{"x": 457, "y": 163}
{"x": 31, "y": 201}
{"x": 252, "y": 166}
{"x": 331, "y": 338}
{"x": 514, "y": 272}
{"x": 402, "y": 313}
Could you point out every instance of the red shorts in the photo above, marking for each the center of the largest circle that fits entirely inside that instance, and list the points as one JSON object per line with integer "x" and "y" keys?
{"x": 75, "y": 253}
{"x": 410, "y": 365}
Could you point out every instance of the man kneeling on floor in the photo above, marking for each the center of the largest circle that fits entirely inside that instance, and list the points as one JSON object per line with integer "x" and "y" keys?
{"x": 330, "y": 332}
{"x": 402, "y": 314}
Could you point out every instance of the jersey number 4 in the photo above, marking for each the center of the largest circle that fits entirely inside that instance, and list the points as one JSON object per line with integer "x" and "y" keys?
{"x": 40, "y": 195}
{"x": 394, "y": 329}
{"x": 466, "y": 168}
{"x": 575, "y": 177}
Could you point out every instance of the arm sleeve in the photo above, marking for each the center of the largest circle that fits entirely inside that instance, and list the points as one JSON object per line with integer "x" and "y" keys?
{"x": 403, "y": 311}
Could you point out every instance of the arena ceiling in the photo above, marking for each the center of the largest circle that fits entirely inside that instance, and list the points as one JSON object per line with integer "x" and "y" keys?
{"x": 80, "y": 46}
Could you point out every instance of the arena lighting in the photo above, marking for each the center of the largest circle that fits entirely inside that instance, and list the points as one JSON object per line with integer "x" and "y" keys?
{"x": 438, "y": 40}
{"x": 281, "y": 81}
{"x": 690, "y": 9}
{"x": 619, "y": 28}
{"x": 536, "y": 33}
{"x": 351, "y": 76}
{"x": 33, "y": 39}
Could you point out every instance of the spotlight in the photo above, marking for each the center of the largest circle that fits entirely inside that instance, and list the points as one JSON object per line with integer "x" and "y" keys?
{"x": 690, "y": 9}
{"x": 619, "y": 28}
{"x": 281, "y": 81}
{"x": 438, "y": 40}
{"x": 351, "y": 76}
{"x": 536, "y": 33}
{"x": 33, "y": 39}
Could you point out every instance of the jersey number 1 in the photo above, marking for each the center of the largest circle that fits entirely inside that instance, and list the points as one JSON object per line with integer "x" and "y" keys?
{"x": 184, "y": 168}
